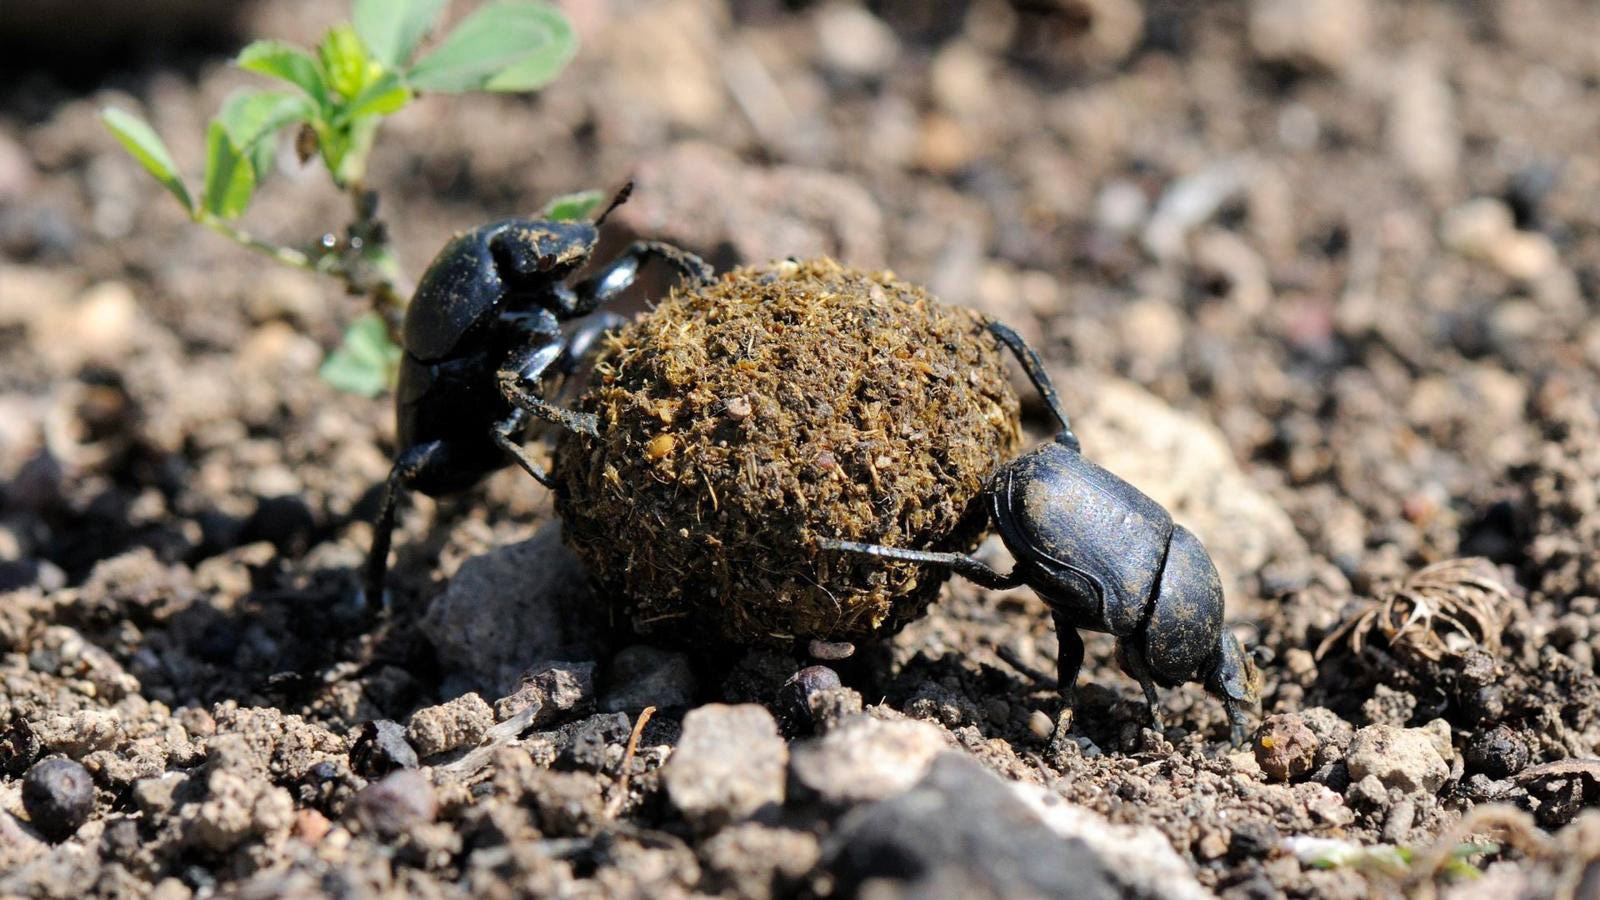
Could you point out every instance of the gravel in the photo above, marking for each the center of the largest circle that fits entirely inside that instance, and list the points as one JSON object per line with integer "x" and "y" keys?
{"x": 728, "y": 765}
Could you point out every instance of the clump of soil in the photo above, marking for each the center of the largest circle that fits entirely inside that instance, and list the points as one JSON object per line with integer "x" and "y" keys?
{"x": 742, "y": 421}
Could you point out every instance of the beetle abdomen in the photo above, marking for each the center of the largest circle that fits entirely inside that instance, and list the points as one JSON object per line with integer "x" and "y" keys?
{"x": 1080, "y": 523}
{"x": 1186, "y": 619}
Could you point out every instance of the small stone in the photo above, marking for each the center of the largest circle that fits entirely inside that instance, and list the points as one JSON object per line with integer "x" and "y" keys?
{"x": 1285, "y": 747}
{"x": 380, "y": 749}
{"x": 1310, "y": 34}
{"x": 563, "y": 690}
{"x": 644, "y": 676}
{"x": 728, "y": 765}
{"x": 852, "y": 41}
{"x": 585, "y": 744}
{"x": 400, "y": 802}
{"x": 751, "y": 860}
{"x": 58, "y": 795}
{"x": 1332, "y": 732}
{"x": 960, "y": 831}
{"x": 1041, "y": 725}
{"x": 449, "y": 726}
{"x": 1406, "y": 759}
{"x": 865, "y": 759}
{"x": 311, "y": 826}
{"x": 830, "y": 650}
{"x": 156, "y": 795}
{"x": 795, "y": 697}
{"x": 1498, "y": 752}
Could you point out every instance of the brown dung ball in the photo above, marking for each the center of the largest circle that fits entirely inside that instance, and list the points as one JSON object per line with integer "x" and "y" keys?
{"x": 741, "y": 421}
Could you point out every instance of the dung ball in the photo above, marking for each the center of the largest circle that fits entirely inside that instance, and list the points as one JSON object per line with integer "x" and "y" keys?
{"x": 741, "y": 421}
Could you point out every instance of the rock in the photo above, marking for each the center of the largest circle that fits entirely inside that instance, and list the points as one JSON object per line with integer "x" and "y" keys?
{"x": 449, "y": 726}
{"x": 1310, "y": 34}
{"x": 1139, "y": 859}
{"x": 511, "y": 607}
{"x": 397, "y": 804}
{"x": 852, "y": 41}
{"x": 751, "y": 860}
{"x": 1333, "y": 733}
{"x": 58, "y": 795}
{"x": 1498, "y": 752}
{"x": 728, "y": 765}
{"x": 960, "y": 831}
{"x": 585, "y": 745}
{"x": 796, "y": 695}
{"x": 1406, "y": 759}
{"x": 240, "y": 805}
{"x": 1423, "y": 133}
{"x": 1484, "y": 229}
{"x": 1184, "y": 463}
{"x": 1285, "y": 747}
{"x": 562, "y": 690}
{"x": 380, "y": 749}
{"x": 1190, "y": 201}
{"x": 864, "y": 759}
{"x": 644, "y": 676}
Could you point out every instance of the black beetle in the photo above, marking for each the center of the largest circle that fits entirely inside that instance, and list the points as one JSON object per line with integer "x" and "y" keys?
{"x": 481, "y": 333}
{"x": 1106, "y": 558}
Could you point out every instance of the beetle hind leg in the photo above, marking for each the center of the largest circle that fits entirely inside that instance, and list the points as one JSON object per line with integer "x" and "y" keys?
{"x": 1134, "y": 663}
{"x": 407, "y": 467}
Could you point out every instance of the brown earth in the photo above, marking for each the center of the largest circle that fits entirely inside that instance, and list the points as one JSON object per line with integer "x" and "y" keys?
{"x": 1318, "y": 275}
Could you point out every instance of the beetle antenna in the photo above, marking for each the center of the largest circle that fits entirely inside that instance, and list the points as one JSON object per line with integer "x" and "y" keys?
{"x": 1041, "y": 380}
{"x": 621, "y": 198}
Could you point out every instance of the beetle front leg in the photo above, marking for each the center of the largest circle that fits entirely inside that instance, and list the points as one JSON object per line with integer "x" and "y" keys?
{"x": 521, "y": 377}
{"x": 963, "y": 565}
{"x": 1133, "y": 662}
{"x": 584, "y": 338}
{"x": 601, "y": 288}
{"x": 504, "y": 434}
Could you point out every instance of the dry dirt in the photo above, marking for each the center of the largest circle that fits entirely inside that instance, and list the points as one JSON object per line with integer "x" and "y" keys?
{"x": 1319, "y": 275}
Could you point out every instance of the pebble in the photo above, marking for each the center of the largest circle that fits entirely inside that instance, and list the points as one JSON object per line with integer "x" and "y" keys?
{"x": 959, "y": 831}
{"x": 562, "y": 690}
{"x": 1310, "y": 34}
{"x": 449, "y": 726}
{"x": 852, "y": 41}
{"x": 865, "y": 759}
{"x": 1285, "y": 747}
{"x": 511, "y": 607}
{"x": 644, "y": 676}
{"x": 1041, "y": 725}
{"x": 380, "y": 749}
{"x": 1498, "y": 752}
{"x": 796, "y": 695}
{"x": 400, "y": 802}
{"x": 1407, "y": 759}
{"x": 1423, "y": 133}
{"x": 1485, "y": 229}
{"x": 58, "y": 795}
{"x": 729, "y": 764}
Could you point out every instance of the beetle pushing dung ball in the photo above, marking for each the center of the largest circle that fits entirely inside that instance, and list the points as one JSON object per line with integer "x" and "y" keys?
{"x": 791, "y": 452}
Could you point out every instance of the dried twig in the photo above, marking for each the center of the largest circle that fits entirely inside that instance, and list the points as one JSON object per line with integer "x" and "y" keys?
{"x": 614, "y": 805}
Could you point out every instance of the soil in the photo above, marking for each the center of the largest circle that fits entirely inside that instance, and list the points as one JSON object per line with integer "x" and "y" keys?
{"x": 1318, "y": 275}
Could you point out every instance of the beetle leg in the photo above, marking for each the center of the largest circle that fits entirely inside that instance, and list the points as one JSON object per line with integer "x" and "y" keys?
{"x": 599, "y": 289}
{"x": 583, "y": 339}
{"x": 1133, "y": 662}
{"x": 1032, "y": 365}
{"x": 407, "y": 466}
{"x": 503, "y": 431}
{"x": 520, "y": 378}
{"x": 963, "y": 565}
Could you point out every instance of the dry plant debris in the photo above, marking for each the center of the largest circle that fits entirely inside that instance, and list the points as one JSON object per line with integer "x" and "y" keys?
{"x": 1442, "y": 610}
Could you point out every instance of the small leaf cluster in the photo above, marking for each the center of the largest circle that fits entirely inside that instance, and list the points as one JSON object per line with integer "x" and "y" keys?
{"x": 359, "y": 73}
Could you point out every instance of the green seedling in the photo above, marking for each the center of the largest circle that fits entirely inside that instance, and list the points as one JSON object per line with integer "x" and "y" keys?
{"x": 339, "y": 93}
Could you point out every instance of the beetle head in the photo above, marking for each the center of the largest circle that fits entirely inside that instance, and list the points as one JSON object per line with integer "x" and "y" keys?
{"x": 531, "y": 254}
{"x": 1236, "y": 676}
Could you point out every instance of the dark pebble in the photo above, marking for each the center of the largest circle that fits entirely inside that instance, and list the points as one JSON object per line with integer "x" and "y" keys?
{"x": 794, "y": 697}
{"x": 1498, "y": 752}
{"x": 59, "y": 796}
{"x": 381, "y": 748}
{"x": 582, "y": 745}
{"x": 398, "y": 803}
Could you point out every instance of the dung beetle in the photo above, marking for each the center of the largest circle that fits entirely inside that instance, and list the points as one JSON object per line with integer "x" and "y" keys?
{"x": 481, "y": 334}
{"x": 1104, "y": 557}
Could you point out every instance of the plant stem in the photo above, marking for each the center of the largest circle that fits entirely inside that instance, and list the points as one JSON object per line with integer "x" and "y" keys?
{"x": 286, "y": 255}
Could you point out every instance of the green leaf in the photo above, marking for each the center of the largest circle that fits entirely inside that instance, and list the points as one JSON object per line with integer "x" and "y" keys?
{"x": 366, "y": 362}
{"x": 230, "y": 175}
{"x": 250, "y": 116}
{"x": 380, "y": 98}
{"x": 142, "y": 142}
{"x": 289, "y": 63}
{"x": 510, "y": 46}
{"x": 262, "y": 156}
{"x": 573, "y": 206}
{"x": 392, "y": 29}
{"x": 350, "y": 69}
